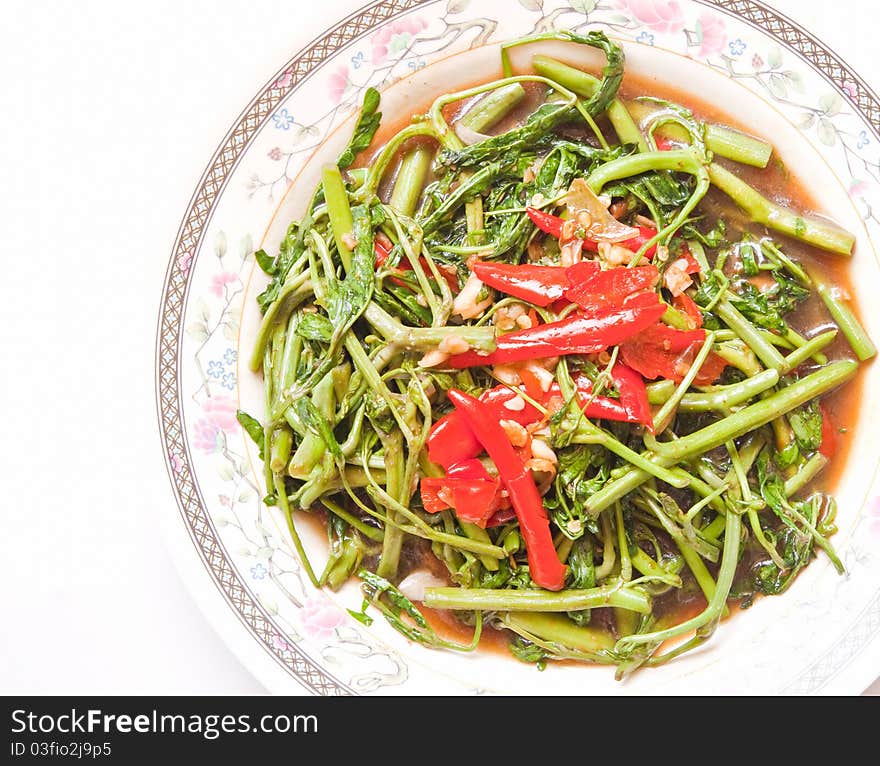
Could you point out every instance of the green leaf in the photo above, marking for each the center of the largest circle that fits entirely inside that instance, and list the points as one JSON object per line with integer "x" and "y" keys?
{"x": 230, "y": 329}
{"x": 252, "y": 428}
{"x": 831, "y": 103}
{"x": 312, "y": 419}
{"x": 532, "y": 5}
{"x": 367, "y": 125}
{"x": 456, "y": 6}
{"x": 265, "y": 262}
{"x": 794, "y": 80}
{"x": 806, "y": 422}
{"x": 826, "y": 132}
{"x": 584, "y": 6}
{"x": 313, "y": 326}
{"x": 778, "y": 86}
{"x": 198, "y": 331}
{"x": 220, "y": 244}
{"x": 806, "y": 120}
{"x": 246, "y": 246}
{"x": 774, "y": 57}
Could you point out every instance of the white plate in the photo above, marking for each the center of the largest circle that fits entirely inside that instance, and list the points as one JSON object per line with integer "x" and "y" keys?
{"x": 820, "y": 637}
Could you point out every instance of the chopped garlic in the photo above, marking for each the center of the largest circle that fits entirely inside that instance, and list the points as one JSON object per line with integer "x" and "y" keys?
{"x": 465, "y": 303}
{"x": 453, "y": 344}
{"x": 433, "y": 358}
{"x": 349, "y": 240}
{"x": 543, "y": 451}
{"x": 507, "y": 374}
{"x": 515, "y": 432}
{"x": 515, "y": 404}
{"x": 414, "y": 584}
{"x": 676, "y": 277}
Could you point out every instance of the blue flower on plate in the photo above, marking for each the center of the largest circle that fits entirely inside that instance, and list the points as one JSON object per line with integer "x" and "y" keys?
{"x": 415, "y": 64}
{"x": 645, "y": 37}
{"x": 863, "y": 140}
{"x": 259, "y": 572}
{"x": 215, "y": 369}
{"x": 736, "y": 47}
{"x": 357, "y": 60}
{"x": 228, "y": 381}
{"x": 282, "y": 119}
{"x": 230, "y": 356}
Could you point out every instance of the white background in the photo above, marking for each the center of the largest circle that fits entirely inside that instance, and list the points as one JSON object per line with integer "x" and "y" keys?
{"x": 109, "y": 113}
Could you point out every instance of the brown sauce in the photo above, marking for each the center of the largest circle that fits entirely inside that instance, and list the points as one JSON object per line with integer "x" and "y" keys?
{"x": 777, "y": 183}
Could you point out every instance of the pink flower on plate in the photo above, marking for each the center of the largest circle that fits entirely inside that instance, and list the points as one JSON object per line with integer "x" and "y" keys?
{"x": 176, "y": 462}
{"x": 858, "y": 187}
{"x": 395, "y": 38}
{"x": 280, "y": 643}
{"x": 220, "y": 412}
{"x": 320, "y": 618}
{"x": 849, "y": 88}
{"x": 274, "y": 153}
{"x": 184, "y": 261}
{"x": 206, "y": 436}
{"x": 662, "y": 16}
{"x": 219, "y": 282}
{"x": 713, "y": 35}
{"x": 339, "y": 83}
{"x": 284, "y": 81}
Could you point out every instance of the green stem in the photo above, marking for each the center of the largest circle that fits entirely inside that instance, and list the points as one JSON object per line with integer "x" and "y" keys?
{"x": 339, "y": 210}
{"x": 664, "y": 415}
{"x": 730, "y": 554}
{"x": 763, "y": 349}
{"x": 761, "y": 210}
{"x": 410, "y": 181}
{"x": 805, "y": 474}
{"x": 372, "y": 533}
{"x": 732, "y": 427}
{"x": 493, "y": 107}
{"x": 488, "y": 599}
{"x": 724, "y": 397}
{"x": 808, "y": 350}
{"x": 846, "y": 319}
{"x": 558, "y": 630}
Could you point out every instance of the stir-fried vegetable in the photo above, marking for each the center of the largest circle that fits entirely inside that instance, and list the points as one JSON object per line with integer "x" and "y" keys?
{"x": 534, "y": 366}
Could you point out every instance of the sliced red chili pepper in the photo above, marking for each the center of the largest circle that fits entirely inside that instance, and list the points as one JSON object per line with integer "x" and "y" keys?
{"x": 693, "y": 266}
{"x": 663, "y": 351}
{"x": 612, "y": 286}
{"x": 633, "y": 394}
{"x": 687, "y": 306}
{"x": 382, "y": 249}
{"x": 499, "y": 396}
{"x": 552, "y": 225}
{"x": 664, "y": 144}
{"x": 474, "y": 500}
{"x": 546, "y": 222}
{"x": 581, "y": 272}
{"x": 431, "y": 489}
{"x": 583, "y": 333}
{"x": 634, "y": 243}
{"x": 828, "y": 445}
{"x": 450, "y": 441}
{"x": 545, "y": 568}
{"x": 541, "y": 285}
{"x": 531, "y": 382}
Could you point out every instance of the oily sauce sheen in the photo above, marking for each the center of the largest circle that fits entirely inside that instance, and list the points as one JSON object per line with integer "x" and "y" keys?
{"x": 777, "y": 183}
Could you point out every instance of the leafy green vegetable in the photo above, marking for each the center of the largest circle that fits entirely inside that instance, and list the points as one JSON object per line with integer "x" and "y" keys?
{"x": 367, "y": 125}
